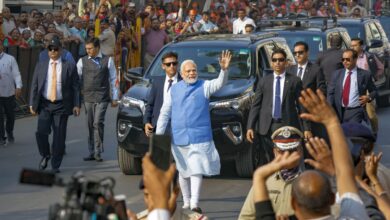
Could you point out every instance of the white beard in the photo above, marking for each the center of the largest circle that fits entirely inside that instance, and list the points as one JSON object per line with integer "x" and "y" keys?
{"x": 190, "y": 81}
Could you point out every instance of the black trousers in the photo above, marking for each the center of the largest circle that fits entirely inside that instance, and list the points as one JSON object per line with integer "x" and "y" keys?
{"x": 52, "y": 116}
{"x": 353, "y": 114}
{"x": 7, "y": 107}
{"x": 266, "y": 144}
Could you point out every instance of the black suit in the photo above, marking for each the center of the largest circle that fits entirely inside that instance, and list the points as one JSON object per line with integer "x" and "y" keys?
{"x": 335, "y": 92}
{"x": 155, "y": 100}
{"x": 314, "y": 79}
{"x": 329, "y": 61}
{"x": 54, "y": 114}
{"x": 260, "y": 116}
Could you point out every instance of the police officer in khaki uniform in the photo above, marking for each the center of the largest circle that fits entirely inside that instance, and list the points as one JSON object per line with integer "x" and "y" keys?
{"x": 286, "y": 138}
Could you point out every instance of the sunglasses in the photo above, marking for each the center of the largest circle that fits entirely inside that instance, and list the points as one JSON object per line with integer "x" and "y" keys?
{"x": 274, "y": 60}
{"x": 170, "y": 64}
{"x": 53, "y": 49}
{"x": 298, "y": 53}
{"x": 346, "y": 59}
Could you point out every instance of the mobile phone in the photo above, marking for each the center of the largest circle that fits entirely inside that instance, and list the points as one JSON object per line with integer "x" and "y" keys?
{"x": 160, "y": 150}
{"x": 120, "y": 206}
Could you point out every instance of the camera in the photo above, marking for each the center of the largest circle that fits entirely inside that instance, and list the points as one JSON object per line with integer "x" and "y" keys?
{"x": 83, "y": 199}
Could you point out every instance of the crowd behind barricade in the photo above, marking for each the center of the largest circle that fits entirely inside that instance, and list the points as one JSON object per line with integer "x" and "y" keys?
{"x": 141, "y": 30}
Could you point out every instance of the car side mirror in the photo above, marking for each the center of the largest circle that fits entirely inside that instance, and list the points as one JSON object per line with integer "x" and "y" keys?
{"x": 376, "y": 43}
{"x": 134, "y": 74}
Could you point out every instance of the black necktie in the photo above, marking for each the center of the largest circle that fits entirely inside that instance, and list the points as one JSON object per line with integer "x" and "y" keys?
{"x": 169, "y": 84}
{"x": 278, "y": 100}
{"x": 300, "y": 72}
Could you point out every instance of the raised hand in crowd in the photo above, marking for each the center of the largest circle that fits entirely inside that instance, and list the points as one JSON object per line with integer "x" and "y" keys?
{"x": 371, "y": 166}
{"x": 320, "y": 111}
{"x": 319, "y": 150}
{"x": 381, "y": 198}
{"x": 157, "y": 182}
{"x": 286, "y": 160}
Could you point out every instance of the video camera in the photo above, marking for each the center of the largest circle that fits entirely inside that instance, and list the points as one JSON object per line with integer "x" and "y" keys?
{"x": 84, "y": 199}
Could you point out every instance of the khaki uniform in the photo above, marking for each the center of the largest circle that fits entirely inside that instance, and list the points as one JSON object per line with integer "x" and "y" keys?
{"x": 279, "y": 192}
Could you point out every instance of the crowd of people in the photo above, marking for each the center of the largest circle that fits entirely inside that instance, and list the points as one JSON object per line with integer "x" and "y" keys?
{"x": 124, "y": 27}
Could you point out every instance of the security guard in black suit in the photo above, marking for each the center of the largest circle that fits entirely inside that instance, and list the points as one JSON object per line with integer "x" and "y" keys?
{"x": 55, "y": 94}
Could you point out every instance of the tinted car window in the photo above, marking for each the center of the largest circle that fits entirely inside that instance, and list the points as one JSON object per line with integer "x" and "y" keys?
{"x": 385, "y": 22}
{"x": 353, "y": 30}
{"x": 314, "y": 41}
{"x": 207, "y": 62}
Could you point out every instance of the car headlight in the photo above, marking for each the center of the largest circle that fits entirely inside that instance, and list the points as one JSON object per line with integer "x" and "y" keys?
{"x": 235, "y": 103}
{"x": 132, "y": 102}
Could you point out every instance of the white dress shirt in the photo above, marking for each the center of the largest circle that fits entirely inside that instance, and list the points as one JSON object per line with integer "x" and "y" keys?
{"x": 159, "y": 214}
{"x": 166, "y": 83}
{"x": 354, "y": 91}
{"x": 239, "y": 25}
{"x": 9, "y": 75}
{"x": 111, "y": 70}
{"x": 303, "y": 69}
{"x": 282, "y": 79}
{"x": 48, "y": 84}
{"x": 8, "y": 25}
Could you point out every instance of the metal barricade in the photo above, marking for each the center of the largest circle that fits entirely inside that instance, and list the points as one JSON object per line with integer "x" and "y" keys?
{"x": 26, "y": 59}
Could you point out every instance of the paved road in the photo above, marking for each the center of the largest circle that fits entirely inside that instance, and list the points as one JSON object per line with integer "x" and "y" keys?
{"x": 221, "y": 197}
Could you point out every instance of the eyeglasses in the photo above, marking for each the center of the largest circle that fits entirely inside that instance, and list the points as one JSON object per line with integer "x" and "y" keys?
{"x": 170, "y": 64}
{"x": 274, "y": 60}
{"x": 53, "y": 49}
{"x": 346, "y": 59}
{"x": 298, "y": 53}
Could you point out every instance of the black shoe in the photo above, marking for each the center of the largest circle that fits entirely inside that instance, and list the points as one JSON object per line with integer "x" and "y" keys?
{"x": 89, "y": 158}
{"x": 98, "y": 158}
{"x": 197, "y": 209}
{"x": 55, "y": 170}
{"x": 43, "y": 163}
{"x": 10, "y": 138}
{"x": 3, "y": 143}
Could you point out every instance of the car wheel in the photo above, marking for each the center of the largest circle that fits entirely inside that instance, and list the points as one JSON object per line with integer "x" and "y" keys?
{"x": 128, "y": 163}
{"x": 246, "y": 161}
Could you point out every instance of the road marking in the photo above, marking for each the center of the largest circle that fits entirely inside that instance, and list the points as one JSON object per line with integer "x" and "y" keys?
{"x": 73, "y": 141}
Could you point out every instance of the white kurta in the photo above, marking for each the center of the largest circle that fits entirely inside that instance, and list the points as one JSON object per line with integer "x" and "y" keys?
{"x": 200, "y": 158}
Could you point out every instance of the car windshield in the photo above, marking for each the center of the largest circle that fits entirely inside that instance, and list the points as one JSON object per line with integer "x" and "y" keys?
{"x": 206, "y": 59}
{"x": 314, "y": 41}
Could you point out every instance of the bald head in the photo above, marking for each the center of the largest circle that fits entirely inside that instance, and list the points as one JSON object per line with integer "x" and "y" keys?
{"x": 312, "y": 194}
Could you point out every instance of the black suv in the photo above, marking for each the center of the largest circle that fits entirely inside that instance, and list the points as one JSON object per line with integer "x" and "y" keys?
{"x": 317, "y": 36}
{"x": 229, "y": 107}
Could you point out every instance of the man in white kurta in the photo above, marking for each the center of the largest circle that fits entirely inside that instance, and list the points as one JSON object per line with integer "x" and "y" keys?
{"x": 193, "y": 148}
